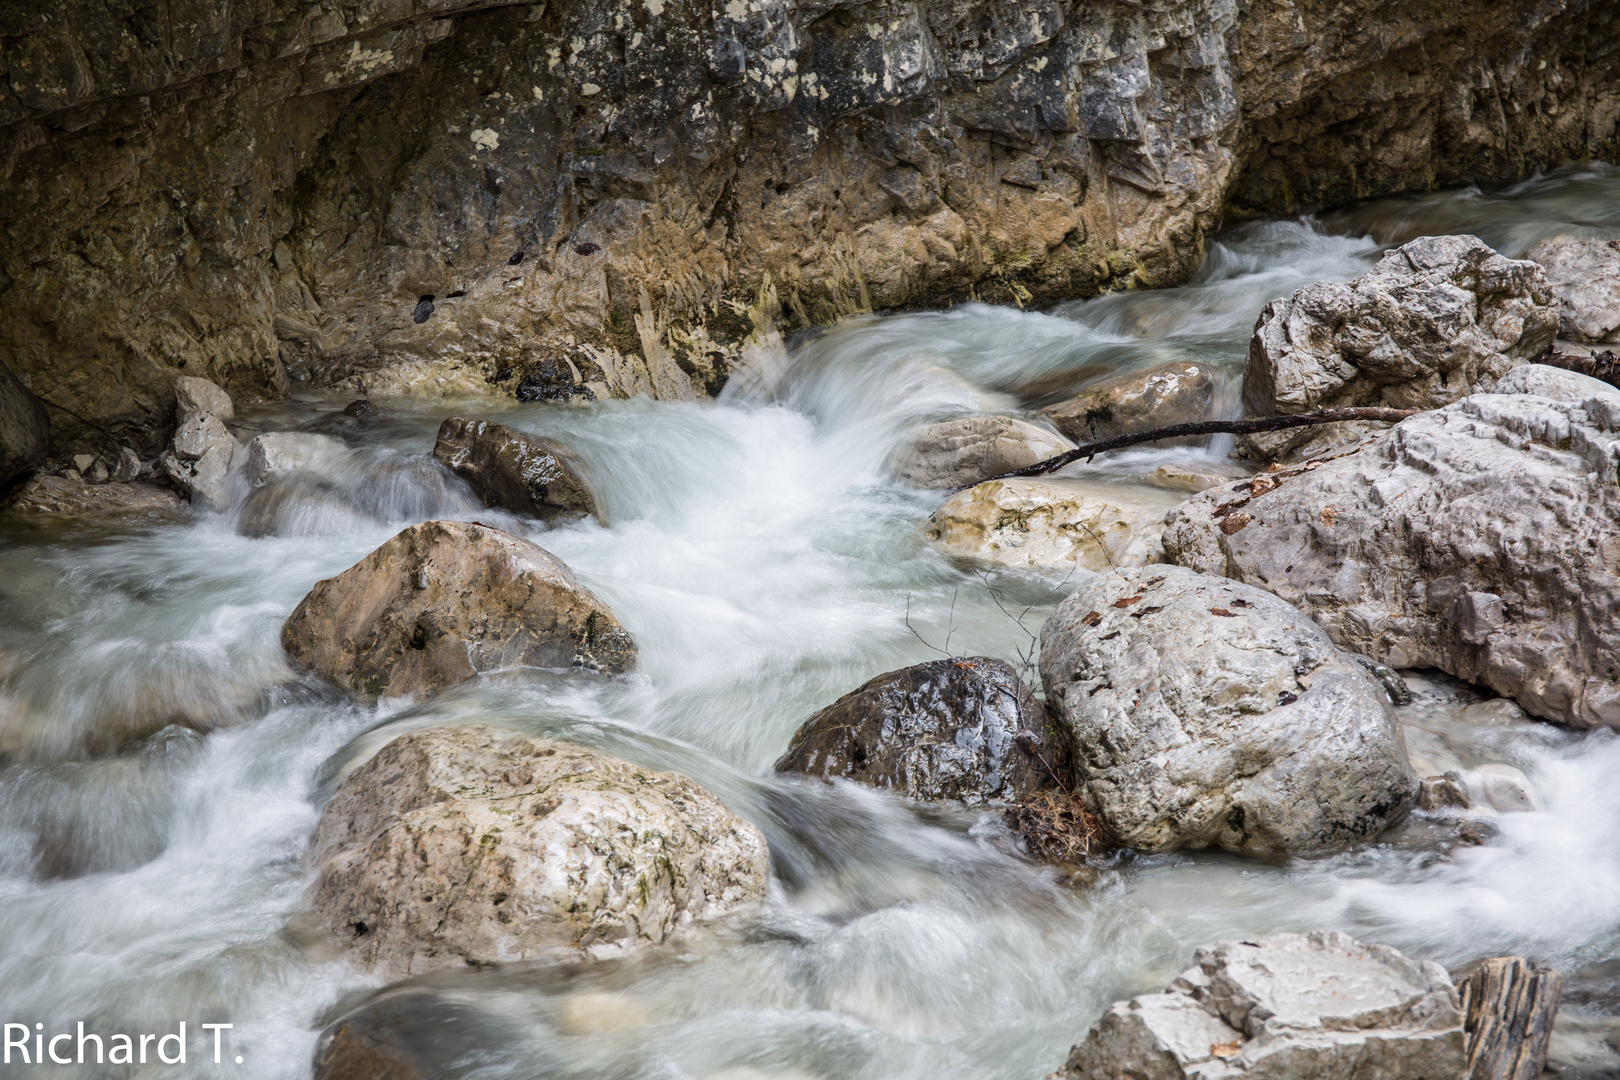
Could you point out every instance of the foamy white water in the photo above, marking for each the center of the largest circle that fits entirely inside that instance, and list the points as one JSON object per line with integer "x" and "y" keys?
{"x": 766, "y": 564}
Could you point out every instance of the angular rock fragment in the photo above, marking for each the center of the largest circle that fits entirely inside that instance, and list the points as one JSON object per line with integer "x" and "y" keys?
{"x": 443, "y": 601}
{"x": 1175, "y": 393}
{"x": 1205, "y": 713}
{"x": 1436, "y": 320}
{"x": 957, "y": 453}
{"x": 1482, "y": 539}
{"x": 963, "y": 730}
{"x": 199, "y": 459}
{"x": 524, "y": 474}
{"x": 43, "y": 494}
{"x": 478, "y": 845}
{"x": 1585, "y": 278}
{"x": 201, "y": 397}
{"x": 1319, "y": 1006}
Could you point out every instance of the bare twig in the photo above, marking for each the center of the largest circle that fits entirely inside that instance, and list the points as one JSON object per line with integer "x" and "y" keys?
{"x": 918, "y": 636}
{"x": 1208, "y": 427}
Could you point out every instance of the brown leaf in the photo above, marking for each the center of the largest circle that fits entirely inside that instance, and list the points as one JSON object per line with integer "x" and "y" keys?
{"x": 1146, "y": 611}
{"x": 1261, "y": 484}
{"x": 1235, "y": 523}
{"x": 1222, "y": 612}
{"x": 1329, "y": 514}
{"x": 1241, "y": 603}
{"x": 1224, "y": 1050}
{"x": 1092, "y": 618}
{"x": 1227, "y": 507}
{"x": 1127, "y": 601}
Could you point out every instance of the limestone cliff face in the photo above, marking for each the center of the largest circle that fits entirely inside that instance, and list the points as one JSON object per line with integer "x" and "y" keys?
{"x": 612, "y": 197}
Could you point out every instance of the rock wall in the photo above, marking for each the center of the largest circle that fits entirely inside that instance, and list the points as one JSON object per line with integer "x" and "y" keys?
{"x": 626, "y": 193}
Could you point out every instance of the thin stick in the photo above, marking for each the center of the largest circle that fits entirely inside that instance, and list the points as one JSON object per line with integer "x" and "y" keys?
{"x": 1209, "y": 427}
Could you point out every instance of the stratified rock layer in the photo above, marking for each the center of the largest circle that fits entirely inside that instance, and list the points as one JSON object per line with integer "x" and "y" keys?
{"x": 604, "y": 199}
{"x": 944, "y": 730}
{"x": 1206, "y": 713}
{"x": 1436, "y": 320}
{"x": 1318, "y": 1006}
{"x": 1482, "y": 539}
{"x": 444, "y": 601}
{"x": 476, "y": 845}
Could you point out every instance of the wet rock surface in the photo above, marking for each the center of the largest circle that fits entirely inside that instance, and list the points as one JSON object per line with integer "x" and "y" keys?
{"x": 45, "y": 494}
{"x": 25, "y": 428}
{"x": 311, "y": 174}
{"x": 964, "y": 730}
{"x": 524, "y": 474}
{"x": 1177, "y": 393}
{"x": 1318, "y": 1006}
{"x": 966, "y": 451}
{"x": 1584, "y": 276}
{"x": 1434, "y": 321}
{"x": 443, "y": 601}
{"x": 1479, "y": 539}
{"x": 477, "y": 845}
{"x": 1206, "y": 713}
{"x": 1049, "y": 523}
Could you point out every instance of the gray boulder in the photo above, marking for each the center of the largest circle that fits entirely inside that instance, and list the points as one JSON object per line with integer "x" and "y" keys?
{"x": 1051, "y": 523}
{"x": 1206, "y": 713}
{"x": 201, "y": 397}
{"x": 966, "y": 451}
{"x": 477, "y": 845}
{"x": 1482, "y": 539}
{"x": 279, "y": 453}
{"x": 199, "y": 459}
{"x": 443, "y": 601}
{"x": 1436, "y": 320}
{"x": 962, "y": 730}
{"x": 25, "y": 429}
{"x": 1585, "y": 279}
{"x": 1177, "y": 393}
{"x": 1319, "y": 1006}
{"x": 523, "y": 474}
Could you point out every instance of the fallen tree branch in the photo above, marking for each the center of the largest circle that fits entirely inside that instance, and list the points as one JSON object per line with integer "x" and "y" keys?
{"x": 1600, "y": 365}
{"x": 1208, "y": 427}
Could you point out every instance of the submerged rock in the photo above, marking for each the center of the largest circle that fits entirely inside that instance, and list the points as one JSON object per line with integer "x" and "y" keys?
{"x": 43, "y": 494}
{"x": 1585, "y": 278}
{"x": 523, "y": 474}
{"x": 1319, "y": 1006}
{"x": 1206, "y": 713}
{"x": 1436, "y": 320}
{"x": 1047, "y": 523}
{"x": 1178, "y": 393}
{"x": 25, "y": 428}
{"x": 957, "y": 453}
{"x": 1482, "y": 539}
{"x": 443, "y": 601}
{"x": 477, "y": 845}
{"x": 962, "y": 730}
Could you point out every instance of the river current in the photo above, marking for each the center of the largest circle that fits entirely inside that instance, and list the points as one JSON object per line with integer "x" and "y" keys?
{"x": 162, "y": 767}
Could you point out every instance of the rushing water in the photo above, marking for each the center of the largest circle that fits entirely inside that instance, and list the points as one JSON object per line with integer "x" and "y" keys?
{"x": 163, "y": 766}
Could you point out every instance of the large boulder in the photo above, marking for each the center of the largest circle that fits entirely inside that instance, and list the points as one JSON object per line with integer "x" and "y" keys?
{"x": 1585, "y": 278}
{"x": 1207, "y": 713}
{"x": 443, "y": 601}
{"x": 1177, "y": 393}
{"x": 280, "y": 453}
{"x": 1319, "y": 1006}
{"x": 199, "y": 459}
{"x": 1434, "y": 321}
{"x": 523, "y": 474}
{"x": 25, "y": 429}
{"x": 1051, "y": 524}
{"x": 964, "y": 730}
{"x": 957, "y": 453}
{"x": 477, "y": 845}
{"x": 1482, "y": 539}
